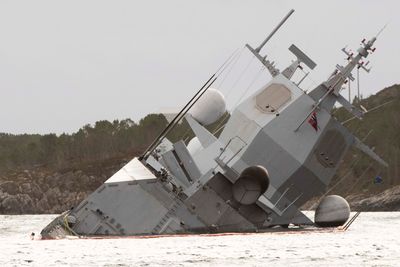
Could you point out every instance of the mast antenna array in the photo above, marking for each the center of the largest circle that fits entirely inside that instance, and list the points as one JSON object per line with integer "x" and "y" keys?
{"x": 258, "y": 49}
{"x": 268, "y": 64}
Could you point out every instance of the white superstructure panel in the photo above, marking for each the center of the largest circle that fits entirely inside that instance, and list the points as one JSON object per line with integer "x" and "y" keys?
{"x": 134, "y": 170}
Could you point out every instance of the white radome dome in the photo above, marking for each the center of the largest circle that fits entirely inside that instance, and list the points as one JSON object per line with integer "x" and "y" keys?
{"x": 194, "y": 146}
{"x": 209, "y": 108}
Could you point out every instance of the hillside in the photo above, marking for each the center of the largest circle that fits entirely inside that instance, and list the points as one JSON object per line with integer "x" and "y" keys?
{"x": 379, "y": 129}
{"x": 50, "y": 173}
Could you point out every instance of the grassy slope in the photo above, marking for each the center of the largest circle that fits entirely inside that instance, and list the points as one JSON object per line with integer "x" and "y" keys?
{"x": 379, "y": 129}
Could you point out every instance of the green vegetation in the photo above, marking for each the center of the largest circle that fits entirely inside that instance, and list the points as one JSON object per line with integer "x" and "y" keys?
{"x": 91, "y": 143}
{"x": 379, "y": 129}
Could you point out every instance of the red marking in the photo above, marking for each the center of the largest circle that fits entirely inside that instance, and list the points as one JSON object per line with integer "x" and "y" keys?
{"x": 313, "y": 121}
{"x": 271, "y": 232}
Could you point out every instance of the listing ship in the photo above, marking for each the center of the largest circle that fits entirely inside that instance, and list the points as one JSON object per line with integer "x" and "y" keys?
{"x": 279, "y": 148}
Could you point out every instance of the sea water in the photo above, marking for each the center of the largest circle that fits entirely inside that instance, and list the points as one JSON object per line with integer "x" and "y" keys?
{"x": 372, "y": 240}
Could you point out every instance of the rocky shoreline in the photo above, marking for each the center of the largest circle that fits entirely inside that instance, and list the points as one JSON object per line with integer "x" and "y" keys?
{"x": 43, "y": 191}
{"x": 388, "y": 200}
{"x": 40, "y": 191}
{"x": 36, "y": 193}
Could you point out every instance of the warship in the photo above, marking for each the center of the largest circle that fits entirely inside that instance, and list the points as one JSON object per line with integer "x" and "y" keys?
{"x": 279, "y": 148}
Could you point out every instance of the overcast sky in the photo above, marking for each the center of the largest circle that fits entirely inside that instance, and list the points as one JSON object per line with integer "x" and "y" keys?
{"x": 64, "y": 64}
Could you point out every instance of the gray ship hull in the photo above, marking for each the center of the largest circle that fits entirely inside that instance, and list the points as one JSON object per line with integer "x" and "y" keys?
{"x": 135, "y": 202}
{"x": 280, "y": 148}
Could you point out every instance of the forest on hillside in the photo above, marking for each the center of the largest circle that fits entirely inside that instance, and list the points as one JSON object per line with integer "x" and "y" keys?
{"x": 95, "y": 142}
{"x": 380, "y": 130}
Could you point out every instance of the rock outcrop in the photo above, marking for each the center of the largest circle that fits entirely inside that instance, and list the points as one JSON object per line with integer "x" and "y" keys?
{"x": 388, "y": 200}
{"x": 39, "y": 190}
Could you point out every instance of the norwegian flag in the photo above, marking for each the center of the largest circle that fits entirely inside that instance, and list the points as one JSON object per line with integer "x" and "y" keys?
{"x": 313, "y": 121}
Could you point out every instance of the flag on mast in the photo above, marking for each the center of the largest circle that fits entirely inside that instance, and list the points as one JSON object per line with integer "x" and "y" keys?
{"x": 313, "y": 121}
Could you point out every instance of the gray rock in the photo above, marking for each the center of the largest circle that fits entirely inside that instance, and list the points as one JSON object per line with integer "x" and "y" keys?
{"x": 36, "y": 191}
{"x": 10, "y": 205}
{"x": 388, "y": 200}
{"x": 26, "y": 188}
{"x": 53, "y": 196}
{"x": 25, "y": 202}
{"x": 42, "y": 206}
{"x": 10, "y": 187}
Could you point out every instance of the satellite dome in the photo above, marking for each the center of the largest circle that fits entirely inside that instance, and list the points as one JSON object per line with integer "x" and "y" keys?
{"x": 209, "y": 108}
{"x": 194, "y": 146}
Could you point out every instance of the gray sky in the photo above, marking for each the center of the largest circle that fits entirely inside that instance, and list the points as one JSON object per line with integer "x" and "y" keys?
{"x": 64, "y": 64}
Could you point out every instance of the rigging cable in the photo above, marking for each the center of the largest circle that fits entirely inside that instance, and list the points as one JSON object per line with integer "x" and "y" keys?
{"x": 234, "y": 61}
{"x": 373, "y": 109}
{"x": 241, "y": 74}
{"x": 362, "y": 174}
{"x": 338, "y": 182}
{"x": 249, "y": 86}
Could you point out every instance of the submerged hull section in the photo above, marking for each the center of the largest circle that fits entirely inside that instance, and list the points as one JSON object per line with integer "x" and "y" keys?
{"x": 135, "y": 202}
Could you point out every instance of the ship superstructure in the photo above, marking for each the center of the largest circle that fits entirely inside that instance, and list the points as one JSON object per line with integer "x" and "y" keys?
{"x": 280, "y": 148}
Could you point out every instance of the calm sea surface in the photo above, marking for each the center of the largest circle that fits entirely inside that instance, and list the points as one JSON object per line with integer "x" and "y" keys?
{"x": 373, "y": 240}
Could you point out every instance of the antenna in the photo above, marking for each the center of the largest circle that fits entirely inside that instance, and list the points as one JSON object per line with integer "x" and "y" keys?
{"x": 349, "y": 92}
{"x": 258, "y": 49}
{"x": 256, "y": 52}
{"x": 358, "y": 85}
{"x": 381, "y": 30}
{"x": 301, "y": 58}
{"x": 341, "y": 76}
